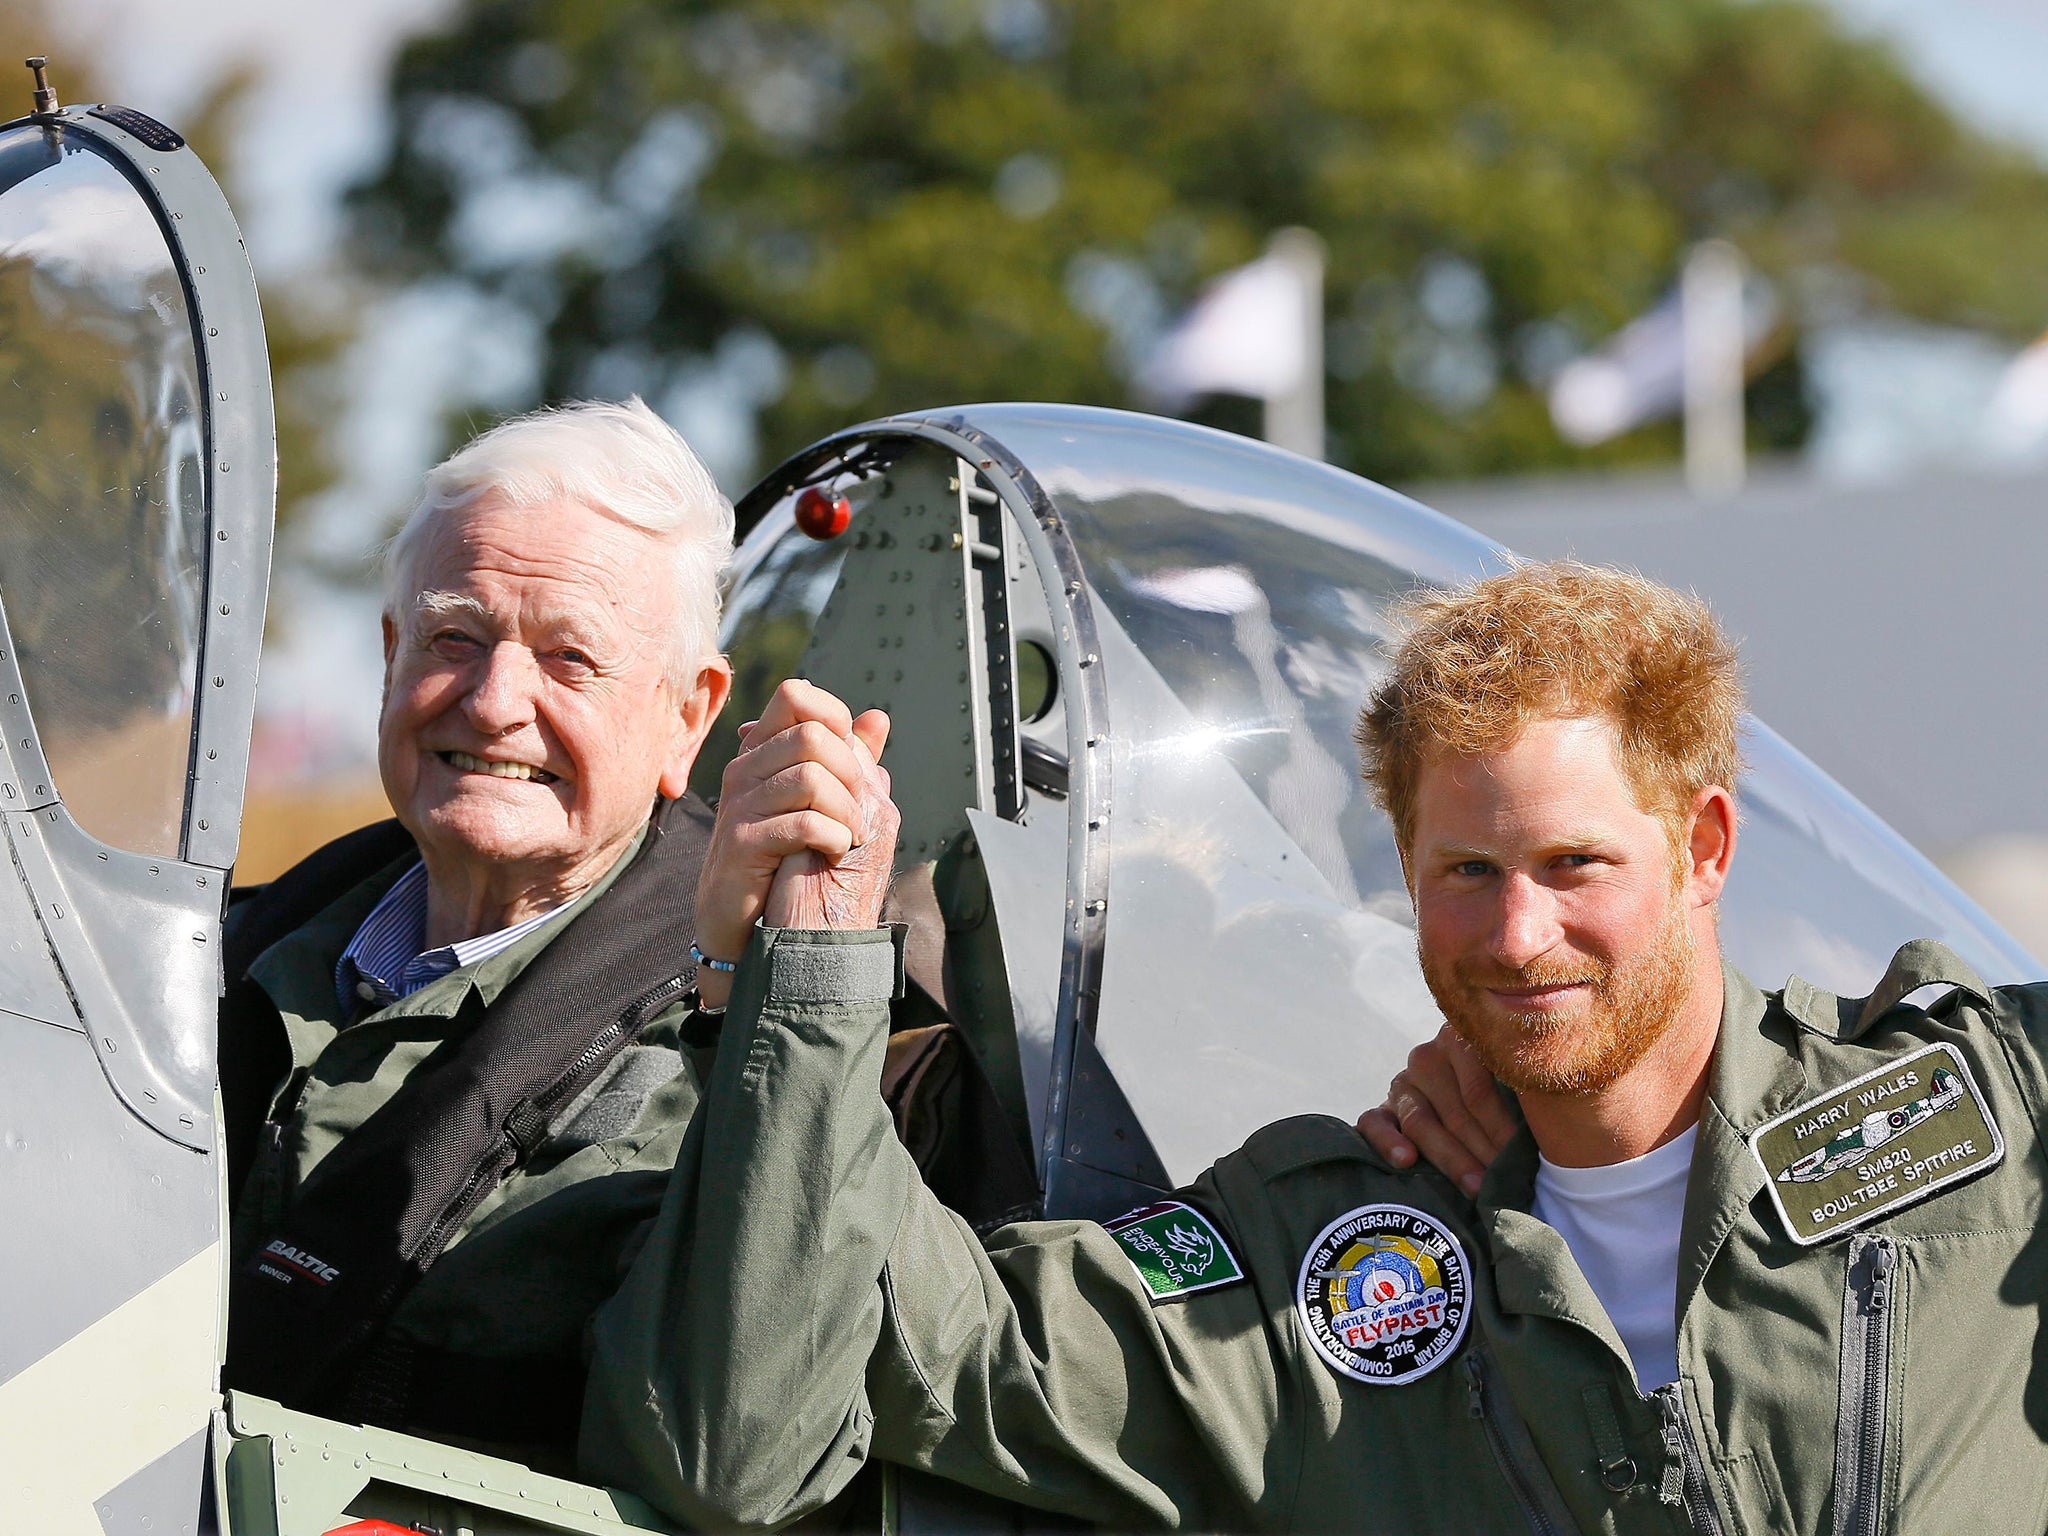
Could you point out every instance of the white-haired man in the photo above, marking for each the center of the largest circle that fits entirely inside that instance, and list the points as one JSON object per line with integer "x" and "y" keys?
{"x": 457, "y": 1046}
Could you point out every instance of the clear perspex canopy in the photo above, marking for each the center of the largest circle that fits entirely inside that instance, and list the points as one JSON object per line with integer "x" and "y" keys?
{"x": 103, "y": 541}
{"x": 1241, "y": 897}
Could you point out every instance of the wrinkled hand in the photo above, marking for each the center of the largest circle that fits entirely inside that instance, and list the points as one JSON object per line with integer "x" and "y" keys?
{"x": 1445, "y": 1105}
{"x": 813, "y": 891}
{"x": 805, "y": 790}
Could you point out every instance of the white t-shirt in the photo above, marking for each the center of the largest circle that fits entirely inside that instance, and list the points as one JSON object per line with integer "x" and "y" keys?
{"x": 1621, "y": 1223}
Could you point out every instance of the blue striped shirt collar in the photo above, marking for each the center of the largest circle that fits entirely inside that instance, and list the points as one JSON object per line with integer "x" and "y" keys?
{"x": 387, "y": 959}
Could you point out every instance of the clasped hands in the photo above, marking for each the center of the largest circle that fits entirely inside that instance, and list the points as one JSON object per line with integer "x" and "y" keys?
{"x": 806, "y": 831}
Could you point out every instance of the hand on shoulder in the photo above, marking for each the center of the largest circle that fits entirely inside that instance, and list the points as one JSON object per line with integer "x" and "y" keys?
{"x": 1443, "y": 1106}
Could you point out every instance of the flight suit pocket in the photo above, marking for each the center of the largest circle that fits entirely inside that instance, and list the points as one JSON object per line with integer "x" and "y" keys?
{"x": 1760, "y": 1498}
{"x": 1970, "y": 1384}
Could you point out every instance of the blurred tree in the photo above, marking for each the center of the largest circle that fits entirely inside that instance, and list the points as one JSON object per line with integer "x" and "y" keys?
{"x": 832, "y": 209}
{"x": 304, "y": 331}
{"x": 24, "y": 33}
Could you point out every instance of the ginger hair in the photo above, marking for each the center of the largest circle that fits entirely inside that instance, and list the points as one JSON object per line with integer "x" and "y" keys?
{"x": 1559, "y": 640}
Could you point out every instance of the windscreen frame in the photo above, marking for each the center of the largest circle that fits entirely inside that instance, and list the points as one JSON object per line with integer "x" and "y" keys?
{"x": 239, "y": 489}
{"x": 136, "y": 935}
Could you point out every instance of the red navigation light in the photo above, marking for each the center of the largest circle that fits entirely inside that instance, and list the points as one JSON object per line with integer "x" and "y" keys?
{"x": 821, "y": 513}
{"x": 374, "y": 1528}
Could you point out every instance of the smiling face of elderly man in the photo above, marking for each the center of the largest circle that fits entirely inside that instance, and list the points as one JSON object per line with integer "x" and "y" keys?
{"x": 549, "y": 663}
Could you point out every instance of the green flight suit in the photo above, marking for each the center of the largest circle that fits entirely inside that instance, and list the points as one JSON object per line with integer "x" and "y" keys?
{"x": 522, "y": 1274}
{"x": 1894, "y": 1378}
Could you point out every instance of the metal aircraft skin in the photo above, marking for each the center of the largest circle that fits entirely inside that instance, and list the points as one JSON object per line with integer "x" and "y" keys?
{"x": 1122, "y": 653}
{"x": 1874, "y": 1130}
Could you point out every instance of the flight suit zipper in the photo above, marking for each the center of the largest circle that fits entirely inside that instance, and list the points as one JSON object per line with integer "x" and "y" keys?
{"x": 1860, "y": 1422}
{"x": 1524, "y": 1474}
{"x": 1691, "y": 1490}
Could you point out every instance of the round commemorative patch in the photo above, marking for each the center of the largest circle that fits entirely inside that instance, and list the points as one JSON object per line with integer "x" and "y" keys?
{"x": 1385, "y": 1293}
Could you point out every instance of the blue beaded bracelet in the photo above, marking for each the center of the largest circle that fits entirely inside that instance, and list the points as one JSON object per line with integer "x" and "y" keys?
{"x": 703, "y": 959}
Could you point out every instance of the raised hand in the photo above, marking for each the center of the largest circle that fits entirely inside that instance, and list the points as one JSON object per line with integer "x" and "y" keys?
{"x": 1445, "y": 1106}
{"x": 812, "y": 891}
{"x": 806, "y": 787}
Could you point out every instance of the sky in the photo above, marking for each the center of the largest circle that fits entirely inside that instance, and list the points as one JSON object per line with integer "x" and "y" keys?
{"x": 315, "y": 118}
{"x": 315, "y": 121}
{"x": 1986, "y": 57}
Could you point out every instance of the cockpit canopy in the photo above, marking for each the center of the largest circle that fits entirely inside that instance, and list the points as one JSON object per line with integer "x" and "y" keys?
{"x": 1125, "y": 656}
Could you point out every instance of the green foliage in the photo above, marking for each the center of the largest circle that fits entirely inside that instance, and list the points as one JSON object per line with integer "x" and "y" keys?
{"x": 928, "y": 201}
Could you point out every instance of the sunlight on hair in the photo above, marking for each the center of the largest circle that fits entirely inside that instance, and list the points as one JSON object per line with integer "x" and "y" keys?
{"x": 618, "y": 458}
{"x": 1555, "y": 640}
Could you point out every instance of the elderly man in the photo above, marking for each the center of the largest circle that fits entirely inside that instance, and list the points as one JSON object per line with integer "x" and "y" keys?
{"x": 458, "y": 1056}
{"x": 1755, "y": 1262}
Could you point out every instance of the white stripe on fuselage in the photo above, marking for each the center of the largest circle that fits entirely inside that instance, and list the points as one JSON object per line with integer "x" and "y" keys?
{"x": 108, "y": 1401}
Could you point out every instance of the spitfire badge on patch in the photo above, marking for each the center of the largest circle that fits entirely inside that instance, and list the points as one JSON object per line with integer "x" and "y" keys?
{"x": 1174, "y": 1249}
{"x": 1892, "y": 1136}
{"x": 1385, "y": 1294}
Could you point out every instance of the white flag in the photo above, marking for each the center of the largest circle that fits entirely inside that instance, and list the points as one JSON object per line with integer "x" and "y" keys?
{"x": 2017, "y": 423}
{"x": 1636, "y": 377}
{"x": 1244, "y": 336}
{"x": 1639, "y": 375}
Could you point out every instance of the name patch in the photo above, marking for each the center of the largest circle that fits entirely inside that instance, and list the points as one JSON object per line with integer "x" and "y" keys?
{"x": 1175, "y": 1250}
{"x": 1384, "y": 1294}
{"x": 1890, "y": 1137}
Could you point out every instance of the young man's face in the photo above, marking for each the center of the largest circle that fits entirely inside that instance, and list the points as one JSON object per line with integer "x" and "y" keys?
{"x": 1554, "y": 924}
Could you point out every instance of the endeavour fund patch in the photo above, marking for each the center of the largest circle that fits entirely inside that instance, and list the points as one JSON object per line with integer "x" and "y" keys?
{"x": 1174, "y": 1249}
{"x": 1888, "y": 1138}
{"x": 1385, "y": 1294}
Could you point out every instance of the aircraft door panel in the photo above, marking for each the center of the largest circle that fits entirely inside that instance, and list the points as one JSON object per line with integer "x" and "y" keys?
{"x": 907, "y": 629}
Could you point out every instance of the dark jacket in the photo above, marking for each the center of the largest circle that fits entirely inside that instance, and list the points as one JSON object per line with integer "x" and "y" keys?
{"x": 433, "y": 1197}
